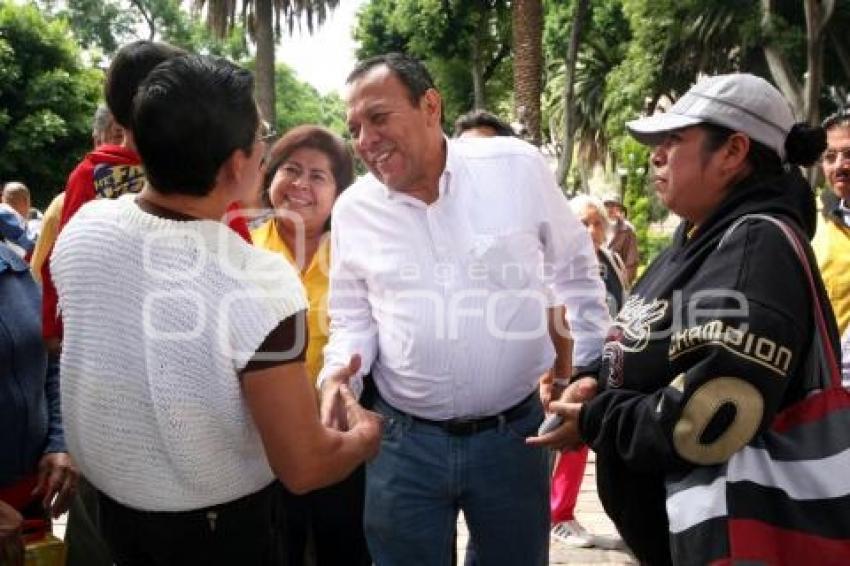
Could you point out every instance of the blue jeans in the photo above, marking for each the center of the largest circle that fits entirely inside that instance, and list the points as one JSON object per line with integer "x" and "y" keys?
{"x": 423, "y": 476}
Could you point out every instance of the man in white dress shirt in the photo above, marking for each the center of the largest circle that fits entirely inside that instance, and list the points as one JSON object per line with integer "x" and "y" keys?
{"x": 446, "y": 259}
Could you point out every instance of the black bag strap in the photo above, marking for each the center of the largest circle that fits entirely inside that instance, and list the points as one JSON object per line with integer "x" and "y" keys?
{"x": 831, "y": 373}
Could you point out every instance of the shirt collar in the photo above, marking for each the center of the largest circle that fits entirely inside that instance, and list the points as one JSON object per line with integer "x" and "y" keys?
{"x": 449, "y": 175}
{"x": 444, "y": 186}
{"x": 842, "y": 211}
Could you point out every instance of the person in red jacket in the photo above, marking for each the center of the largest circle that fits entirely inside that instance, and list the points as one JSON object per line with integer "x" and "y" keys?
{"x": 110, "y": 171}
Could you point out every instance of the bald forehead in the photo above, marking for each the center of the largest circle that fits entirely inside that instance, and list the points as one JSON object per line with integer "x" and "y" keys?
{"x": 15, "y": 190}
{"x": 376, "y": 92}
{"x": 839, "y": 132}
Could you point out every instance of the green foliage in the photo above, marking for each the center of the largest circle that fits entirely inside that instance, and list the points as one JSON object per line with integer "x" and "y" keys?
{"x": 47, "y": 100}
{"x": 603, "y": 48}
{"x": 672, "y": 42}
{"x": 375, "y": 32}
{"x": 639, "y": 197}
{"x": 300, "y": 103}
{"x": 194, "y": 36}
{"x": 100, "y": 24}
{"x": 104, "y": 25}
{"x": 441, "y": 33}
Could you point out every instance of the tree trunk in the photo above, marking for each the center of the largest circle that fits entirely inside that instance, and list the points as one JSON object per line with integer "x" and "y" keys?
{"x": 477, "y": 68}
{"x": 804, "y": 97}
{"x": 584, "y": 177}
{"x": 553, "y": 141}
{"x": 527, "y": 22}
{"x": 818, "y": 14}
{"x": 148, "y": 17}
{"x": 566, "y": 157}
{"x": 780, "y": 68}
{"x": 265, "y": 60}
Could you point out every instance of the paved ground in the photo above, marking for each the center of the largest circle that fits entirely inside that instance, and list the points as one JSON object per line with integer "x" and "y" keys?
{"x": 588, "y": 511}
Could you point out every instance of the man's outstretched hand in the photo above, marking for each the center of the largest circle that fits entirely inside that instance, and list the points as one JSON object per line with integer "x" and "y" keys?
{"x": 366, "y": 424}
{"x": 332, "y": 407}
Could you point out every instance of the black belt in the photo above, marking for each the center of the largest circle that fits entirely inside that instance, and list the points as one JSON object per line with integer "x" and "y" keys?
{"x": 465, "y": 427}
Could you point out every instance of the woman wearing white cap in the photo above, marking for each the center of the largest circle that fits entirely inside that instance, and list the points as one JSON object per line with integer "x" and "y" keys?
{"x": 712, "y": 342}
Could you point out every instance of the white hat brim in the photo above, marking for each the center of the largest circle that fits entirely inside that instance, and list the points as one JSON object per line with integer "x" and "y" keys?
{"x": 652, "y": 129}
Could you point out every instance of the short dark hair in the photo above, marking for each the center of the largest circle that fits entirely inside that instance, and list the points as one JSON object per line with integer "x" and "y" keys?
{"x": 482, "y": 119}
{"x": 409, "y": 70}
{"x": 190, "y": 114}
{"x": 132, "y": 63}
{"x": 837, "y": 119}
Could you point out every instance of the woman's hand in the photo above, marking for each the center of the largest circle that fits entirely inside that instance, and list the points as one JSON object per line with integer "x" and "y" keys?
{"x": 568, "y": 406}
{"x": 57, "y": 482}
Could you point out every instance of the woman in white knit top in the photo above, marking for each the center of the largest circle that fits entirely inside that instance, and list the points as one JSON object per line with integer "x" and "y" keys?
{"x": 184, "y": 391}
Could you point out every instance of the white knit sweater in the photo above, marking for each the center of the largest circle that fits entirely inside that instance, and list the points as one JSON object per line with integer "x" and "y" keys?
{"x": 159, "y": 316}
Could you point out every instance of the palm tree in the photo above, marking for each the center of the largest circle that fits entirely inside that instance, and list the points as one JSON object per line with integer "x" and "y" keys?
{"x": 262, "y": 21}
{"x": 571, "y": 58}
{"x": 603, "y": 47}
{"x": 527, "y": 25}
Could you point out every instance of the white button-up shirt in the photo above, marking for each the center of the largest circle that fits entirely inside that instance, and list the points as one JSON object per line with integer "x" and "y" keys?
{"x": 446, "y": 302}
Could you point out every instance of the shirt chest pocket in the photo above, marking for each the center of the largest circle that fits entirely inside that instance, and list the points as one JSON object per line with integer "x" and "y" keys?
{"x": 396, "y": 267}
{"x": 509, "y": 260}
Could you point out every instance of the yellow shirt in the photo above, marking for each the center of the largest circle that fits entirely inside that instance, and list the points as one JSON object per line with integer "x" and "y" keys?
{"x": 831, "y": 245}
{"x": 315, "y": 281}
{"x": 49, "y": 231}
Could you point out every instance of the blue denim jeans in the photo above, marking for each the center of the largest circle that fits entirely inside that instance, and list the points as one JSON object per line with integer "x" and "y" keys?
{"x": 423, "y": 476}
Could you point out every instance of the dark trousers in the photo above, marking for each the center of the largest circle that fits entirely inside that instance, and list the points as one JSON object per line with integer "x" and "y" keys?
{"x": 86, "y": 546}
{"x": 325, "y": 527}
{"x": 244, "y": 531}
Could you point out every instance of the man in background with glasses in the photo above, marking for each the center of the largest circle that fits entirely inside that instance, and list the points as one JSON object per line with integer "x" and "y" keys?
{"x": 832, "y": 241}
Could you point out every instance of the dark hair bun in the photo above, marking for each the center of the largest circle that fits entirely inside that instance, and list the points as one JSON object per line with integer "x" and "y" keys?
{"x": 804, "y": 144}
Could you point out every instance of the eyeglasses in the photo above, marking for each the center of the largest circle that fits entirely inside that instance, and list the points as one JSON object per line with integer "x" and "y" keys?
{"x": 830, "y": 156}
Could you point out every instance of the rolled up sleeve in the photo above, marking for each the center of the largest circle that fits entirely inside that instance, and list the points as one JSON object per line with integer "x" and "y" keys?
{"x": 573, "y": 271}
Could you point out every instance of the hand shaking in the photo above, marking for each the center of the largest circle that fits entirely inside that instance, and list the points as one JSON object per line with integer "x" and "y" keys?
{"x": 567, "y": 407}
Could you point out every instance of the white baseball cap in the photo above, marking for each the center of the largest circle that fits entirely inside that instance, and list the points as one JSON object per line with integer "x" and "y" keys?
{"x": 612, "y": 198}
{"x": 741, "y": 102}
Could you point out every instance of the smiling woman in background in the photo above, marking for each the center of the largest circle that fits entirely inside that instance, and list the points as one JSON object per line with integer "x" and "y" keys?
{"x": 307, "y": 170}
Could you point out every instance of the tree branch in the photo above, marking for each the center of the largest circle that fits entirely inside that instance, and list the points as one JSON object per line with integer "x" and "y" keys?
{"x": 500, "y": 55}
{"x": 827, "y": 9}
{"x": 780, "y": 68}
{"x": 149, "y": 19}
